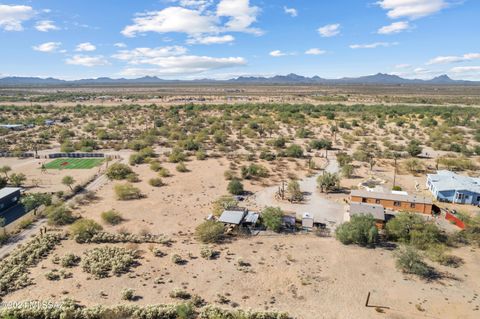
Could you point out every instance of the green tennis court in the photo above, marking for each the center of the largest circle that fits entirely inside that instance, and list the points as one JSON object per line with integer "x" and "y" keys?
{"x": 74, "y": 163}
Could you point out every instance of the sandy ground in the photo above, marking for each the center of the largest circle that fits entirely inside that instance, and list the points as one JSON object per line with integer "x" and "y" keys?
{"x": 305, "y": 275}
{"x": 322, "y": 207}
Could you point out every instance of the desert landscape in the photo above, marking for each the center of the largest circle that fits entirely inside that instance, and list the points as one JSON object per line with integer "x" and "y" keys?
{"x": 166, "y": 171}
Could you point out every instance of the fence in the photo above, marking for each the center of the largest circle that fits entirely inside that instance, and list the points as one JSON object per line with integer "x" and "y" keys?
{"x": 15, "y": 154}
{"x": 455, "y": 220}
{"x": 76, "y": 155}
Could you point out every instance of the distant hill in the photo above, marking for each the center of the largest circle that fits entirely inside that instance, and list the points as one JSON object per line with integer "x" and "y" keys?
{"x": 380, "y": 78}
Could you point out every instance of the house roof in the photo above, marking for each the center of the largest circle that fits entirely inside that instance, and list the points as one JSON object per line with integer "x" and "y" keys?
{"x": 390, "y": 196}
{"x": 446, "y": 181}
{"x": 251, "y": 217}
{"x": 6, "y": 191}
{"x": 232, "y": 216}
{"x": 377, "y": 211}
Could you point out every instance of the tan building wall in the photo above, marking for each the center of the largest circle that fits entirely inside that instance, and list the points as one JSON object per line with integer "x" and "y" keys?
{"x": 396, "y": 206}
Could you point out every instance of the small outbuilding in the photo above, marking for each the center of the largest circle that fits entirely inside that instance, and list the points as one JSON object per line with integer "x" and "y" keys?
{"x": 234, "y": 216}
{"x": 9, "y": 197}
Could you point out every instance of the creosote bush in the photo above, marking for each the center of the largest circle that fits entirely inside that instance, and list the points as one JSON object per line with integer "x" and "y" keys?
{"x": 118, "y": 171}
{"x": 127, "y": 192}
{"x": 84, "y": 229}
{"x": 112, "y": 217}
{"x": 210, "y": 232}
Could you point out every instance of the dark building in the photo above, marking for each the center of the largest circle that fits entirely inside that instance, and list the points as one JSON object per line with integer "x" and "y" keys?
{"x": 9, "y": 197}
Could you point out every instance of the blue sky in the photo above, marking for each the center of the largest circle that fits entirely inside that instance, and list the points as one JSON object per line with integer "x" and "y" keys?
{"x": 187, "y": 39}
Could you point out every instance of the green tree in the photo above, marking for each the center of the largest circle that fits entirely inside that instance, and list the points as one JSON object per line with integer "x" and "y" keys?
{"x": 35, "y": 200}
{"x": 294, "y": 192}
{"x": 328, "y": 182}
{"x": 84, "y": 229}
{"x": 5, "y": 169}
{"x": 360, "y": 230}
{"x": 59, "y": 215}
{"x": 414, "y": 148}
{"x": 210, "y": 232}
{"x": 235, "y": 187}
{"x": 272, "y": 218}
{"x": 68, "y": 181}
{"x": 17, "y": 179}
{"x": 118, "y": 171}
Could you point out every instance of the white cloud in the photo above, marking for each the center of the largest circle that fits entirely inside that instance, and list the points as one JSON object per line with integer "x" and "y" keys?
{"x": 211, "y": 39}
{"x": 191, "y": 18}
{"x": 12, "y": 16}
{"x": 402, "y": 66}
{"x": 241, "y": 15}
{"x": 315, "y": 51}
{"x": 85, "y": 47}
{"x": 120, "y": 45}
{"x": 466, "y": 69}
{"x": 412, "y": 9}
{"x": 172, "y": 19}
{"x": 147, "y": 55}
{"x": 329, "y": 30}
{"x": 395, "y": 27}
{"x": 373, "y": 45}
{"x": 86, "y": 60}
{"x": 172, "y": 60}
{"x": 48, "y": 47}
{"x": 291, "y": 11}
{"x": 45, "y": 26}
{"x": 453, "y": 59}
{"x": 277, "y": 53}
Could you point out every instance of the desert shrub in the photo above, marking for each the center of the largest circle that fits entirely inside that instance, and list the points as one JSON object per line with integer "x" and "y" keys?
{"x": 211, "y": 312}
{"x": 156, "y": 182}
{"x": 52, "y": 275}
{"x": 410, "y": 261}
{"x": 360, "y": 230}
{"x": 328, "y": 182}
{"x": 414, "y": 148}
{"x": 272, "y": 218}
{"x": 294, "y": 192}
{"x": 118, "y": 171}
{"x": 128, "y": 294}
{"x": 84, "y": 229}
{"x": 438, "y": 253}
{"x": 59, "y": 215}
{"x": 294, "y": 150}
{"x": 163, "y": 172}
{"x": 413, "y": 229}
{"x": 70, "y": 260}
{"x": 133, "y": 178}
{"x": 207, "y": 252}
{"x": 210, "y": 232}
{"x": 127, "y": 192}
{"x": 254, "y": 171}
{"x": 112, "y": 217}
{"x": 180, "y": 294}
{"x": 177, "y": 259}
{"x": 104, "y": 237}
{"x": 181, "y": 167}
{"x": 235, "y": 187}
{"x": 104, "y": 261}
{"x": 177, "y": 156}
{"x": 322, "y": 144}
{"x": 223, "y": 203}
{"x": 155, "y": 166}
{"x": 158, "y": 252}
{"x": 201, "y": 155}
{"x": 14, "y": 268}
{"x": 229, "y": 175}
{"x": 347, "y": 170}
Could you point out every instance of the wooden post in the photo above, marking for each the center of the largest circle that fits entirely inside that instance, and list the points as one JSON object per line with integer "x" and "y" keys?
{"x": 368, "y": 299}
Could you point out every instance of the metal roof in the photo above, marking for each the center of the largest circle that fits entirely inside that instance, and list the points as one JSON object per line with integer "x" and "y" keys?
{"x": 232, "y": 216}
{"x": 389, "y": 196}
{"x": 251, "y": 217}
{"x": 446, "y": 181}
{"x": 377, "y": 211}
{"x": 6, "y": 191}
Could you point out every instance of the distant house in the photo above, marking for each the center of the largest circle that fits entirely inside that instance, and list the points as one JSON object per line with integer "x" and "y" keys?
{"x": 9, "y": 197}
{"x": 448, "y": 186}
{"x": 233, "y": 216}
{"x": 375, "y": 210}
{"x": 395, "y": 202}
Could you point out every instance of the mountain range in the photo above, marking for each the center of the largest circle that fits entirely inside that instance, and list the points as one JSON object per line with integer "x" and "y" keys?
{"x": 292, "y": 79}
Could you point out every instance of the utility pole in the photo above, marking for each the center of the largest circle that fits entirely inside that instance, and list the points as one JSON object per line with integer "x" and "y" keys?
{"x": 395, "y": 171}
